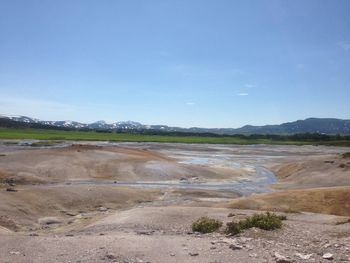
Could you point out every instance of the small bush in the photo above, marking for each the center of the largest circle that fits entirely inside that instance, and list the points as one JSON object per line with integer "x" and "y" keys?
{"x": 206, "y": 225}
{"x": 342, "y": 165}
{"x": 341, "y": 222}
{"x": 282, "y": 217}
{"x": 346, "y": 155}
{"x": 233, "y": 228}
{"x": 268, "y": 221}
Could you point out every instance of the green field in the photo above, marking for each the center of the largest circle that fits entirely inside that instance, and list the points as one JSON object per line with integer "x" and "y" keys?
{"x": 43, "y": 134}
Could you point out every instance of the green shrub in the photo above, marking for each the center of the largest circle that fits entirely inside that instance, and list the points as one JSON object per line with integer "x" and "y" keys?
{"x": 206, "y": 225}
{"x": 341, "y": 222}
{"x": 282, "y": 217}
{"x": 267, "y": 221}
{"x": 233, "y": 228}
{"x": 346, "y": 155}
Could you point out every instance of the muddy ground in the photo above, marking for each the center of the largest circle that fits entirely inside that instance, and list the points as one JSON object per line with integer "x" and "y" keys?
{"x": 135, "y": 202}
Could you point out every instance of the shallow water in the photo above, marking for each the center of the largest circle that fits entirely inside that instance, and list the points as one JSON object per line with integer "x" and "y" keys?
{"x": 249, "y": 159}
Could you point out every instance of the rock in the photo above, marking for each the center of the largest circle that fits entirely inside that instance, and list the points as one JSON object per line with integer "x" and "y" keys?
{"x": 11, "y": 189}
{"x": 110, "y": 256}
{"x": 172, "y": 254}
{"x": 145, "y": 232}
{"x": 49, "y": 220}
{"x": 70, "y": 213}
{"x": 281, "y": 259}
{"x": 102, "y": 209}
{"x": 14, "y": 252}
{"x": 302, "y": 256}
{"x": 33, "y": 235}
{"x": 230, "y": 215}
{"x": 235, "y": 246}
{"x": 328, "y": 256}
{"x": 193, "y": 254}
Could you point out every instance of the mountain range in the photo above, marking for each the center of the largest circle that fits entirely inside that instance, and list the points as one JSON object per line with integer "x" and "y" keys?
{"x": 310, "y": 125}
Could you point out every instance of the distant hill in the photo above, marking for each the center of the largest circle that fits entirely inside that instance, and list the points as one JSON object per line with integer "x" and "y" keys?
{"x": 310, "y": 125}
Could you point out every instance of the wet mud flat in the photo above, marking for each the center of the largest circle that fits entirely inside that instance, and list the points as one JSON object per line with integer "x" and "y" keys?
{"x": 121, "y": 202}
{"x": 73, "y": 180}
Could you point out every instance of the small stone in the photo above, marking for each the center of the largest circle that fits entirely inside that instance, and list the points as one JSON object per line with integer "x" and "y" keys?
{"x": 172, "y": 254}
{"x": 193, "y": 254}
{"x": 49, "y": 220}
{"x": 14, "y": 252}
{"x": 110, "y": 256}
{"x": 145, "y": 232}
{"x": 102, "y": 209}
{"x": 281, "y": 259}
{"x": 302, "y": 256}
{"x": 328, "y": 256}
{"x": 235, "y": 247}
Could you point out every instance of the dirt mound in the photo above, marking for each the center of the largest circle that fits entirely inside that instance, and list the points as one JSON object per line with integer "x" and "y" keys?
{"x": 332, "y": 200}
{"x": 25, "y": 207}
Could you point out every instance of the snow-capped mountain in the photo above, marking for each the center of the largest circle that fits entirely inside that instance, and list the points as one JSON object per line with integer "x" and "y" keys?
{"x": 310, "y": 125}
{"x": 101, "y": 124}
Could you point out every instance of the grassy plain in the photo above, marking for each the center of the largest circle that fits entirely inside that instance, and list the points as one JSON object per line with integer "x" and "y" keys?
{"x": 43, "y": 134}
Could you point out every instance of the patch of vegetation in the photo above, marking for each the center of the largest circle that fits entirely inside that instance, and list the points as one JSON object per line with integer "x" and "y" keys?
{"x": 231, "y": 215}
{"x": 342, "y": 165}
{"x": 341, "y": 222}
{"x": 346, "y": 155}
{"x": 291, "y": 211}
{"x": 267, "y": 221}
{"x": 173, "y": 137}
{"x": 2, "y": 155}
{"x": 233, "y": 228}
{"x": 44, "y": 143}
{"x": 206, "y": 225}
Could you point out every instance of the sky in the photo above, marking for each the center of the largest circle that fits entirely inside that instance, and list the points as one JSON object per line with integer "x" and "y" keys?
{"x": 204, "y": 63}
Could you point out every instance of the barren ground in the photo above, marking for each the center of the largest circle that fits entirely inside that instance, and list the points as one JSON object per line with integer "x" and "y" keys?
{"x": 135, "y": 202}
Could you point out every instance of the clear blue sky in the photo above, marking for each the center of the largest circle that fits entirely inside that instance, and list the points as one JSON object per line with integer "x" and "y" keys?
{"x": 186, "y": 63}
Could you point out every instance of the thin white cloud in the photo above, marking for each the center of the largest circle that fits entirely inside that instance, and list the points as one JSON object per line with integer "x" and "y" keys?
{"x": 242, "y": 94}
{"x": 344, "y": 45}
{"x": 249, "y": 86}
{"x": 190, "y": 103}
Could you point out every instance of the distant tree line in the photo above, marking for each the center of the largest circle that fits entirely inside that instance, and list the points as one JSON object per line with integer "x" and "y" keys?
{"x": 312, "y": 137}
